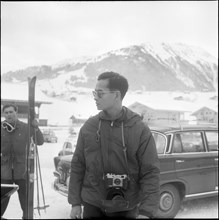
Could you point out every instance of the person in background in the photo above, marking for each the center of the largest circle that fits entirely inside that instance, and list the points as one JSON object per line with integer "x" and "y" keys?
{"x": 14, "y": 140}
{"x": 115, "y": 168}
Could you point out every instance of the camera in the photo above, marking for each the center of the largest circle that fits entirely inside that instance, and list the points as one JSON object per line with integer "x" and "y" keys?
{"x": 116, "y": 185}
{"x": 113, "y": 180}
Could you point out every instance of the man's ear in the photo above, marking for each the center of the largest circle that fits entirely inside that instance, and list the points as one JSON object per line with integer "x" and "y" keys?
{"x": 118, "y": 95}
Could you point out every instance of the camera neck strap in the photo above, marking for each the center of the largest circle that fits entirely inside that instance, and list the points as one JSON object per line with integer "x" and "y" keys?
{"x": 99, "y": 142}
{"x": 125, "y": 150}
{"x": 123, "y": 145}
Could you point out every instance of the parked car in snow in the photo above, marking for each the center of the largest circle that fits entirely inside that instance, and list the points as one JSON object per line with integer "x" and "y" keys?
{"x": 67, "y": 149}
{"x": 49, "y": 136}
{"x": 188, "y": 161}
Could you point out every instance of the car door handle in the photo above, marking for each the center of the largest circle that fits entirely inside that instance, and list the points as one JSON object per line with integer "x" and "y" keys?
{"x": 180, "y": 161}
{"x": 216, "y": 159}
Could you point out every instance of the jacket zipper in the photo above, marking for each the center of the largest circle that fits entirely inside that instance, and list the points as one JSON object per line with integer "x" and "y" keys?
{"x": 110, "y": 145}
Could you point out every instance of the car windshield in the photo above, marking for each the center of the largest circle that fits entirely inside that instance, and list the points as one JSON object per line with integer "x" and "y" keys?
{"x": 67, "y": 145}
{"x": 160, "y": 142}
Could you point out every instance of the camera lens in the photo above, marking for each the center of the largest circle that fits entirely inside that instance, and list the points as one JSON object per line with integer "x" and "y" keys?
{"x": 115, "y": 194}
{"x": 118, "y": 197}
{"x": 117, "y": 181}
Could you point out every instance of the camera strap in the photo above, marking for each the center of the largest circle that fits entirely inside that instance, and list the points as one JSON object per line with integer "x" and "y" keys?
{"x": 125, "y": 150}
{"x": 123, "y": 145}
{"x": 99, "y": 142}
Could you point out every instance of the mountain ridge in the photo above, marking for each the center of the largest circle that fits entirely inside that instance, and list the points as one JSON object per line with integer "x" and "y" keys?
{"x": 148, "y": 67}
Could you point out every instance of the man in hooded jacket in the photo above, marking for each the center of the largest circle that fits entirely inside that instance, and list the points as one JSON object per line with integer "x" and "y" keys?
{"x": 14, "y": 140}
{"x": 115, "y": 168}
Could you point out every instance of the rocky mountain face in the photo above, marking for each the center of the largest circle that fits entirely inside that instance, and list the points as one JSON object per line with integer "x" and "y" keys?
{"x": 148, "y": 67}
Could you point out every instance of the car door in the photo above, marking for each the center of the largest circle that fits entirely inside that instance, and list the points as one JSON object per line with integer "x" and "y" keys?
{"x": 167, "y": 161}
{"x": 212, "y": 145}
{"x": 194, "y": 165}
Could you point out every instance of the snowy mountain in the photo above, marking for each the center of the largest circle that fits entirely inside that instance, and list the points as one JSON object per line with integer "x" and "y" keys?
{"x": 148, "y": 67}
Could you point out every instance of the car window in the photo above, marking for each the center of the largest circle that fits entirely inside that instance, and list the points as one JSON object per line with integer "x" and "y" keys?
{"x": 191, "y": 142}
{"x": 69, "y": 145}
{"x": 160, "y": 142}
{"x": 212, "y": 140}
{"x": 177, "y": 144}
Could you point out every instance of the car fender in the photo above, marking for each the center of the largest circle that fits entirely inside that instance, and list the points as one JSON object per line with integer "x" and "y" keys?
{"x": 181, "y": 185}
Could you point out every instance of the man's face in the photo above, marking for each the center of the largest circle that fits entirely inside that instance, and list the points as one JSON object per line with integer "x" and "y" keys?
{"x": 104, "y": 98}
{"x": 10, "y": 114}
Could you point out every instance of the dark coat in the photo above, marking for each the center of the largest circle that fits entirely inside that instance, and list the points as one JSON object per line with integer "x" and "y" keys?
{"x": 13, "y": 151}
{"x": 99, "y": 151}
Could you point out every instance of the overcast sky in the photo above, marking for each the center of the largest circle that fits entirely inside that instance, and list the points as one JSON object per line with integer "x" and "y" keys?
{"x": 44, "y": 33}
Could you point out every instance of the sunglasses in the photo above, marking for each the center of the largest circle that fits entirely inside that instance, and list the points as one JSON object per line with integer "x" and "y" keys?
{"x": 7, "y": 126}
{"x": 99, "y": 94}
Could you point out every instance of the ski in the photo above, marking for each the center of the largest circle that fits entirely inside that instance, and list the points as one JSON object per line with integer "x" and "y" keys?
{"x": 30, "y": 148}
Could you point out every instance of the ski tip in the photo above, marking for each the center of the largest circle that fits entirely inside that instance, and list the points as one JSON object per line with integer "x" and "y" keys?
{"x": 31, "y": 78}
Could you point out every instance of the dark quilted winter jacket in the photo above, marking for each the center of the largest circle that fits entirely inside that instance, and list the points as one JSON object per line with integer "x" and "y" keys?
{"x": 99, "y": 151}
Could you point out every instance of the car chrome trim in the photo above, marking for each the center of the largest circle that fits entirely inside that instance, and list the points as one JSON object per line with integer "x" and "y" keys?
{"x": 195, "y": 168}
{"x": 61, "y": 189}
{"x": 204, "y": 153}
{"x": 201, "y": 194}
{"x": 160, "y": 133}
{"x": 170, "y": 144}
{"x": 191, "y": 129}
{"x": 167, "y": 172}
{"x": 180, "y": 161}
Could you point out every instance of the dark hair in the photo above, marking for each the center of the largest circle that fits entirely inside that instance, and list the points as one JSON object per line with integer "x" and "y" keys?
{"x": 10, "y": 105}
{"x": 116, "y": 82}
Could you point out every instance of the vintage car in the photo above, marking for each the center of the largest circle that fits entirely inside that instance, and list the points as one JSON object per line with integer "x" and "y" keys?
{"x": 189, "y": 166}
{"x": 68, "y": 148}
{"x": 49, "y": 136}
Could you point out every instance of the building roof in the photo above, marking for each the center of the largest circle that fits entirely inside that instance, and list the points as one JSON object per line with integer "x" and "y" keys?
{"x": 19, "y": 93}
{"x": 143, "y": 106}
{"x": 21, "y": 102}
{"x": 203, "y": 108}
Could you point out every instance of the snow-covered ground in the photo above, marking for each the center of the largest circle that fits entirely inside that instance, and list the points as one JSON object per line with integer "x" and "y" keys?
{"x": 58, "y": 204}
{"x": 59, "y": 112}
{"x": 82, "y": 104}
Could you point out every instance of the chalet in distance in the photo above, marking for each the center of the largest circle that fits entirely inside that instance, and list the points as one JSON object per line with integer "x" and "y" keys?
{"x": 153, "y": 116}
{"x": 206, "y": 115}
